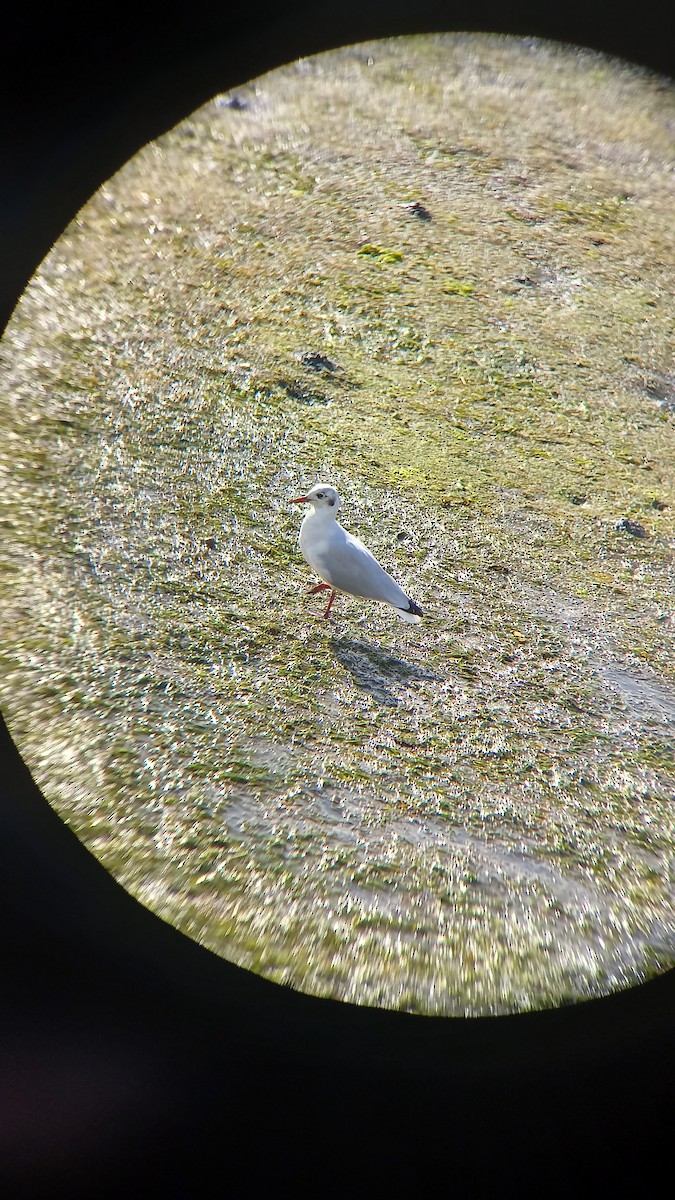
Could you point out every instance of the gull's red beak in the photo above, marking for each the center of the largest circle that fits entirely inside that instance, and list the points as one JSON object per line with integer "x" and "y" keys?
{"x": 300, "y": 500}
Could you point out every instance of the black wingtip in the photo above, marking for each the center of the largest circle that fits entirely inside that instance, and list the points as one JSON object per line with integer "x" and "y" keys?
{"x": 414, "y": 608}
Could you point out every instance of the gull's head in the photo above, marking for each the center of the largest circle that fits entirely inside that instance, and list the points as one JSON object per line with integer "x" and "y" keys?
{"x": 321, "y": 496}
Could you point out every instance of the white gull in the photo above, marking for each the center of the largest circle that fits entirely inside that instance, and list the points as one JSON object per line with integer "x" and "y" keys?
{"x": 342, "y": 561}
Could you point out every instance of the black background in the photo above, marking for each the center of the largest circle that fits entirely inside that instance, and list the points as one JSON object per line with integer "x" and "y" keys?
{"x": 131, "y": 1060}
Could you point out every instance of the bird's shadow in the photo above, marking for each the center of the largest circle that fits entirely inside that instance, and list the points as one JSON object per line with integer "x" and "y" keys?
{"x": 375, "y": 671}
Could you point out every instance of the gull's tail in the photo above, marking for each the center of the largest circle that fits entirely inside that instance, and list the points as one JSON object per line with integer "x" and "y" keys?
{"x": 412, "y": 614}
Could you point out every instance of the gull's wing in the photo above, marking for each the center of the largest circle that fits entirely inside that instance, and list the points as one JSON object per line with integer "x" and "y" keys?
{"x": 346, "y": 564}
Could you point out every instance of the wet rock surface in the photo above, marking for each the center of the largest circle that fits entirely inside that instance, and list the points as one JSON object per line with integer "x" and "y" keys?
{"x": 472, "y": 817}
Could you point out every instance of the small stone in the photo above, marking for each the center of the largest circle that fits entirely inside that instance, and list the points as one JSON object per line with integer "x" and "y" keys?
{"x": 418, "y": 210}
{"x": 625, "y": 525}
{"x": 318, "y": 362}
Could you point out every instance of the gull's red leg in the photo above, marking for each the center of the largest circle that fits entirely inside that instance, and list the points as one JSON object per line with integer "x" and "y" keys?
{"x": 330, "y": 603}
{"x": 320, "y": 587}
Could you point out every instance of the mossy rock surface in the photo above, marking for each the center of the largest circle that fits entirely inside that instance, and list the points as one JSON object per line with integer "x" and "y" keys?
{"x": 438, "y": 273}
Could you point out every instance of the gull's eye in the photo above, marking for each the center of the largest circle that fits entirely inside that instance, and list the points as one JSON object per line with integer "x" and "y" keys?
{"x": 320, "y": 495}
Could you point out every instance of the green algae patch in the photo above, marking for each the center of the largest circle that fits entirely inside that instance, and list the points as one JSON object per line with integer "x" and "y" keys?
{"x": 381, "y": 254}
{"x": 458, "y": 287}
{"x": 472, "y": 816}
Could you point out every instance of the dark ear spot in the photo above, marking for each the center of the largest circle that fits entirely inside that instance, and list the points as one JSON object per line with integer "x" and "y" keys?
{"x": 331, "y": 502}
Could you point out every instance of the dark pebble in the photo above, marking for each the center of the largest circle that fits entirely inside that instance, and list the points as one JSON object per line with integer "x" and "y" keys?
{"x": 625, "y": 525}
{"x": 319, "y": 362}
{"x": 418, "y": 210}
